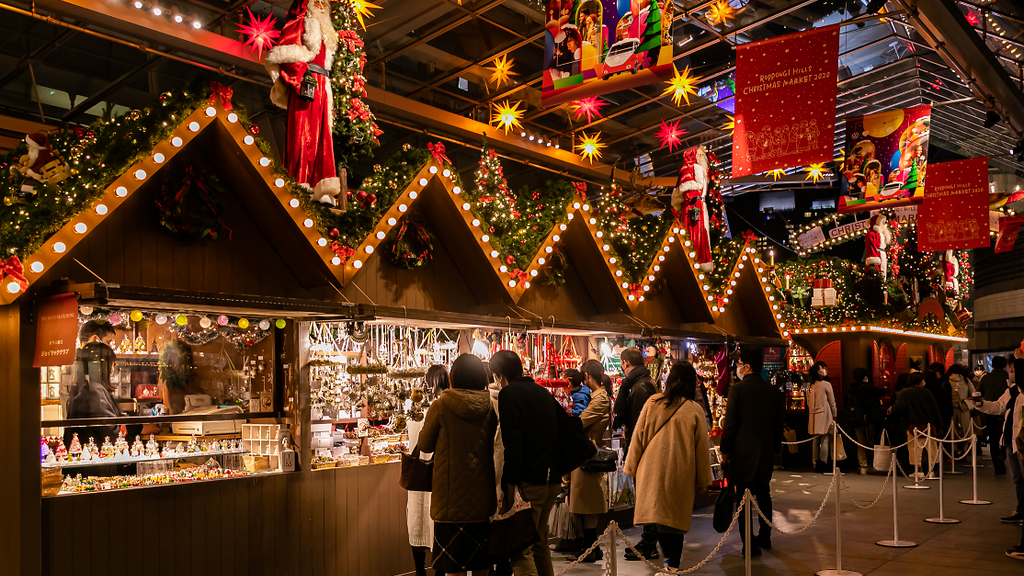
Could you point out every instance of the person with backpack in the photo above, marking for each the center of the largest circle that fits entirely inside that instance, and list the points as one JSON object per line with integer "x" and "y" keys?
{"x": 865, "y": 405}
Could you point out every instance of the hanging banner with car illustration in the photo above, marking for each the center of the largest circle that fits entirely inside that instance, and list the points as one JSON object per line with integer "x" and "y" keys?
{"x": 886, "y": 158}
{"x": 594, "y": 47}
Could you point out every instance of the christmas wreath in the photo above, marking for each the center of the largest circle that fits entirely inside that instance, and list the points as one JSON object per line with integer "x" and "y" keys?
{"x": 411, "y": 246}
{"x": 191, "y": 205}
{"x": 554, "y": 271}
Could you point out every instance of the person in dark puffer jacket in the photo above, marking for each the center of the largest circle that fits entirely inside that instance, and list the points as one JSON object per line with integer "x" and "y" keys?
{"x": 459, "y": 429}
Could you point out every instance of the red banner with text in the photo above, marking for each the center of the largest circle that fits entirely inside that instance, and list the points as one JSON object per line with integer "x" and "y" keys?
{"x": 954, "y": 214}
{"x": 57, "y": 332}
{"x": 785, "y": 101}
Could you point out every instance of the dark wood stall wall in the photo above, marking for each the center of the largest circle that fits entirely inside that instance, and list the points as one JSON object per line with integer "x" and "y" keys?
{"x": 335, "y": 522}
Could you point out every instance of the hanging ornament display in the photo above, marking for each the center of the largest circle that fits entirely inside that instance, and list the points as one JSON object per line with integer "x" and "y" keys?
{"x": 264, "y": 324}
{"x": 136, "y": 315}
{"x": 590, "y": 146}
{"x": 160, "y": 319}
{"x": 589, "y": 107}
{"x": 181, "y": 320}
{"x": 501, "y": 71}
{"x": 243, "y": 323}
{"x": 507, "y": 116}
{"x": 815, "y": 172}
{"x": 682, "y": 86}
{"x": 670, "y": 135}
{"x": 205, "y": 322}
{"x": 222, "y": 320}
{"x": 720, "y": 12}
{"x": 280, "y": 323}
{"x": 260, "y": 33}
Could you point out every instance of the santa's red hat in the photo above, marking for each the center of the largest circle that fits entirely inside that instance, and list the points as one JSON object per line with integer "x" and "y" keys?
{"x": 37, "y": 140}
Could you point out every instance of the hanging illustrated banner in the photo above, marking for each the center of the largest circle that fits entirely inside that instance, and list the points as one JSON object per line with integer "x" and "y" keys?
{"x": 954, "y": 213}
{"x": 886, "y": 158}
{"x": 785, "y": 101}
{"x": 57, "y": 331}
{"x": 594, "y": 47}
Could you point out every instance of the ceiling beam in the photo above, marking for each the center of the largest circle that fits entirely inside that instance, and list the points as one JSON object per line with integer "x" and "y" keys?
{"x": 110, "y": 87}
{"x": 37, "y": 54}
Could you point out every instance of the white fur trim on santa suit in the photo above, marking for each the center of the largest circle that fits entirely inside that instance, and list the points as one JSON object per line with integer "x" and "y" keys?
{"x": 698, "y": 182}
{"x": 312, "y": 38}
{"x": 325, "y": 191}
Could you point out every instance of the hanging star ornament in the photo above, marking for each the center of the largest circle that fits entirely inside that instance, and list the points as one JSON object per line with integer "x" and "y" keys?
{"x": 589, "y": 107}
{"x": 362, "y": 10}
{"x": 501, "y": 72}
{"x": 681, "y": 86}
{"x": 816, "y": 171}
{"x": 670, "y": 134}
{"x": 730, "y": 125}
{"x": 259, "y": 33}
{"x": 778, "y": 173}
{"x": 590, "y": 146}
{"x": 507, "y": 116}
{"x": 720, "y": 13}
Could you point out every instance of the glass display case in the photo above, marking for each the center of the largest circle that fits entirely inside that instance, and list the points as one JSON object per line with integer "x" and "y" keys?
{"x": 157, "y": 397}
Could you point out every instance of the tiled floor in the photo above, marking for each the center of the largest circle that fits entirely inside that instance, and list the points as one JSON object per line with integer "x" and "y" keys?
{"x": 975, "y": 546}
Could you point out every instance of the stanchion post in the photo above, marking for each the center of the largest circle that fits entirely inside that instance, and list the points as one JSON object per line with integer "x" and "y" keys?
{"x": 942, "y": 516}
{"x": 748, "y": 543}
{"x": 974, "y": 473}
{"x": 895, "y": 542}
{"x": 838, "y": 479}
{"x": 613, "y": 557}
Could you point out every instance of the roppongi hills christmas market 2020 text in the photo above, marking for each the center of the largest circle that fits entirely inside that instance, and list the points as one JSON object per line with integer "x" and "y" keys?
{"x": 253, "y": 280}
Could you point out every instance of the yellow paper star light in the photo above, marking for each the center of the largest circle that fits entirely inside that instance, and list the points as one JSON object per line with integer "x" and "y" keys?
{"x": 816, "y": 171}
{"x": 730, "y": 125}
{"x": 778, "y": 172}
{"x": 681, "y": 86}
{"x": 720, "y": 13}
{"x": 507, "y": 116}
{"x": 362, "y": 9}
{"x": 502, "y": 70}
{"x": 590, "y": 146}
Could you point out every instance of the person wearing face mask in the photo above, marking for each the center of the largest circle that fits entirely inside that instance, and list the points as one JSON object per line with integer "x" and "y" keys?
{"x": 1010, "y": 407}
{"x": 751, "y": 437}
{"x": 821, "y": 408}
{"x": 992, "y": 387}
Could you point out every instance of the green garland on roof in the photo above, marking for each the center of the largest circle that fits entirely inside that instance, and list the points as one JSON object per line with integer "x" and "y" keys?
{"x": 634, "y": 242}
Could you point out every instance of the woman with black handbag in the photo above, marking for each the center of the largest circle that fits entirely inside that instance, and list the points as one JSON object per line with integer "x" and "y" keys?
{"x": 459, "y": 430}
{"x": 588, "y": 490}
{"x": 669, "y": 456}
{"x": 417, "y": 507}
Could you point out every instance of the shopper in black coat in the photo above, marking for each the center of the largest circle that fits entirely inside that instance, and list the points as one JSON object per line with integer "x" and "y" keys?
{"x": 936, "y": 383}
{"x": 751, "y": 437}
{"x": 992, "y": 387}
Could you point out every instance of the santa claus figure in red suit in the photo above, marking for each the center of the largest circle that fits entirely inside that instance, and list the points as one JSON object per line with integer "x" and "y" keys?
{"x": 40, "y": 165}
{"x": 300, "y": 66}
{"x": 950, "y": 269}
{"x": 876, "y": 242}
{"x": 690, "y": 206}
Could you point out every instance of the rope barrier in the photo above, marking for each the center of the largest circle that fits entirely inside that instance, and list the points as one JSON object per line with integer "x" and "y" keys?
{"x": 804, "y": 441}
{"x": 880, "y": 492}
{"x": 581, "y": 556}
{"x": 814, "y": 518}
{"x": 872, "y": 448}
{"x": 666, "y": 570}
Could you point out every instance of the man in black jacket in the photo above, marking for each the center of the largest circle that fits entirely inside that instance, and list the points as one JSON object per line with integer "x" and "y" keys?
{"x": 865, "y": 400}
{"x": 920, "y": 413}
{"x": 992, "y": 387}
{"x": 936, "y": 383}
{"x": 634, "y": 391}
{"x": 751, "y": 437}
{"x": 529, "y": 432}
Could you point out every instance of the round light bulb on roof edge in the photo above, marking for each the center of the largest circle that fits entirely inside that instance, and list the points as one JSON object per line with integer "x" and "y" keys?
{"x": 101, "y": 209}
{"x": 308, "y": 223}
{"x": 368, "y": 249}
{"x": 476, "y": 223}
{"x": 562, "y": 227}
{"x": 121, "y": 191}
{"x": 611, "y": 260}
{"x": 592, "y": 221}
{"x": 446, "y": 173}
{"x": 625, "y": 285}
{"x": 533, "y": 272}
{"x": 13, "y": 287}
{"x": 570, "y": 216}
{"x": 264, "y": 161}
{"x": 433, "y": 170}
{"x": 381, "y": 235}
{"x": 423, "y": 181}
{"x": 402, "y": 207}
{"x": 392, "y": 221}
{"x": 249, "y": 140}
{"x": 176, "y": 142}
{"x": 336, "y": 261}
{"x": 465, "y": 206}
{"x": 412, "y": 195}
{"x": 357, "y": 264}
{"x": 81, "y": 228}
{"x": 294, "y": 202}
{"x": 511, "y": 283}
{"x": 36, "y": 267}
{"x": 322, "y": 242}
{"x": 485, "y": 238}
{"x": 456, "y": 190}
{"x": 158, "y": 158}
{"x": 548, "y": 249}
{"x": 494, "y": 253}
{"x": 232, "y": 117}
{"x": 502, "y": 268}
{"x": 576, "y": 205}
{"x": 211, "y": 111}
{"x": 541, "y": 261}
{"x": 193, "y": 126}
{"x": 618, "y": 272}
{"x": 140, "y": 174}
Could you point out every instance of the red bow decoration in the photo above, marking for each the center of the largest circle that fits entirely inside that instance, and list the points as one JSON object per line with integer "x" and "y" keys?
{"x": 351, "y": 39}
{"x": 637, "y": 290}
{"x": 342, "y": 251}
{"x": 438, "y": 151}
{"x": 749, "y": 237}
{"x": 358, "y": 111}
{"x": 581, "y": 188}
{"x": 222, "y": 93}
{"x": 518, "y": 275}
{"x": 720, "y": 300}
{"x": 14, "y": 270}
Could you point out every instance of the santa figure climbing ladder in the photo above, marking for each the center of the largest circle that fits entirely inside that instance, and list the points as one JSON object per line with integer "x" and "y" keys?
{"x": 300, "y": 68}
{"x": 690, "y": 206}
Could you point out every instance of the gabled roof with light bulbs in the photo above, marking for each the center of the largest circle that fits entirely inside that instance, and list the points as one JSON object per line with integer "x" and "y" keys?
{"x": 674, "y": 261}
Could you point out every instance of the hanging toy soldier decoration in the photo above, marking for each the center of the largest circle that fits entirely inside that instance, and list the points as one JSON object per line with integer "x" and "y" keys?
{"x": 300, "y": 68}
{"x": 950, "y": 270}
{"x": 690, "y": 206}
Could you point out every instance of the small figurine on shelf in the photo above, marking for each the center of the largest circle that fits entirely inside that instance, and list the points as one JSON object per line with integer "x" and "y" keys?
{"x": 193, "y": 446}
{"x": 121, "y": 445}
{"x": 76, "y": 445}
{"x": 50, "y": 459}
{"x": 137, "y": 448}
{"x": 179, "y": 448}
{"x": 107, "y": 449}
{"x": 86, "y": 454}
{"x": 140, "y": 345}
{"x": 61, "y": 451}
{"x": 152, "y": 448}
{"x": 44, "y": 449}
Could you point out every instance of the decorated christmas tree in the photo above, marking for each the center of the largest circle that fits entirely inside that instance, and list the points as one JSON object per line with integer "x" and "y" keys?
{"x": 355, "y": 128}
{"x": 911, "y": 181}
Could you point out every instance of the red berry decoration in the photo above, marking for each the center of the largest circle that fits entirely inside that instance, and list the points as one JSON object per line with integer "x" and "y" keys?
{"x": 254, "y": 128}
{"x": 333, "y": 233}
{"x": 509, "y": 260}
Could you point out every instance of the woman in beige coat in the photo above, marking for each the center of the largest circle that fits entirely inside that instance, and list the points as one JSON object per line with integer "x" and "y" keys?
{"x": 670, "y": 458}
{"x": 821, "y": 409}
{"x": 588, "y": 493}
